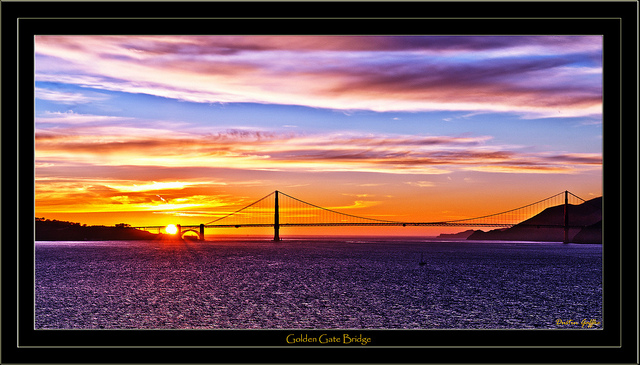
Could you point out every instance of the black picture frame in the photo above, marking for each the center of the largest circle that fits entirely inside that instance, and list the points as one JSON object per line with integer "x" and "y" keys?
{"x": 616, "y": 21}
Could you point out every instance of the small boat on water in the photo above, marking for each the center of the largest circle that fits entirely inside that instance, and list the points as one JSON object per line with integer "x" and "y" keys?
{"x": 422, "y": 262}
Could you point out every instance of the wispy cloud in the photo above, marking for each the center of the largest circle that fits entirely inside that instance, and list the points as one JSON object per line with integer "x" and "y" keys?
{"x": 69, "y": 98}
{"x": 70, "y": 117}
{"x": 63, "y": 194}
{"x": 530, "y": 76}
{"x": 264, "y": 150}
{"x": 421, "y": 184}
{"x": 169, "y": 185}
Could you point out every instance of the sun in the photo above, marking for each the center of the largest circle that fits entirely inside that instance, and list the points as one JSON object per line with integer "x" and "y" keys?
{"x": 171, "y": 229}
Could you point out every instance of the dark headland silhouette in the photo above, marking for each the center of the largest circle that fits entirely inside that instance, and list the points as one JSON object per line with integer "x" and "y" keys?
{"x": 588, "y": 215}
{"x": 54, "y": 230}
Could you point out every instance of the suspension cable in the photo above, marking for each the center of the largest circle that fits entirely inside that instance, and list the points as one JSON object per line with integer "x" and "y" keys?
{"x": 506, "y": 211}
{"x": 325, "y": 210}
{"x": 333, "y": 211}
{"x": 239, "y": 210}
{"x": 576, "y": 196}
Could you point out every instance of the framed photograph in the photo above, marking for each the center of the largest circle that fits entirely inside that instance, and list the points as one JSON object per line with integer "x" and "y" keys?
{"x": 306, "y": 182}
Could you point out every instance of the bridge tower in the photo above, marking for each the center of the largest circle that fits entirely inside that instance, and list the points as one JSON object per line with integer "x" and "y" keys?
{"x": 201, "y": 232}
{"x": 276, "y": 221}
{"x": 566, "y": 217}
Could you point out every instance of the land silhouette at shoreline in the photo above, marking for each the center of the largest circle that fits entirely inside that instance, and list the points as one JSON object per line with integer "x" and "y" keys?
{"x": 587, "y": 215}
{"x": 55, "y": 230}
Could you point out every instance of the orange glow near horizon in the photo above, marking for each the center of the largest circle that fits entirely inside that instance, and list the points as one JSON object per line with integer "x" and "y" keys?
{"x": 403, "y": 206}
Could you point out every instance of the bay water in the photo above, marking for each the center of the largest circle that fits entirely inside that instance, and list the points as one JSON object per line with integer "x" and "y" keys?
{"x": 317, "y": 283}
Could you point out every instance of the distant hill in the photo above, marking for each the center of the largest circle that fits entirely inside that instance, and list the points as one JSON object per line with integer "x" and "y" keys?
{"x": 463, "y": 235}
{"x": 54, "y": 230}
{"x": 587, "y": 214}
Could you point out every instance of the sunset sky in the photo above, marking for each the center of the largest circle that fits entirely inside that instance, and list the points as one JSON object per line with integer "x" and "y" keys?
{"x": 152, "y": 130}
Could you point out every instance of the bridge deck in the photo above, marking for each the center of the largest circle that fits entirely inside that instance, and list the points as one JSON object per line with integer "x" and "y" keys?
{"x": 399, "y": 224}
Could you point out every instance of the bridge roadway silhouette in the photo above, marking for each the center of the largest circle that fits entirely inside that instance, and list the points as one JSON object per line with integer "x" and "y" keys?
{"x": 270, "y": 211}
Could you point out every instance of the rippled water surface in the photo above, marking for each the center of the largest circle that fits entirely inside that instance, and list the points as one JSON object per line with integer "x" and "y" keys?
{"x": 316, "y": 283}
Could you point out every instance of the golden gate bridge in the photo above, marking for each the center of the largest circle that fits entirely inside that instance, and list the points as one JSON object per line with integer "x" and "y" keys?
{"x": 282, "y": 210}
